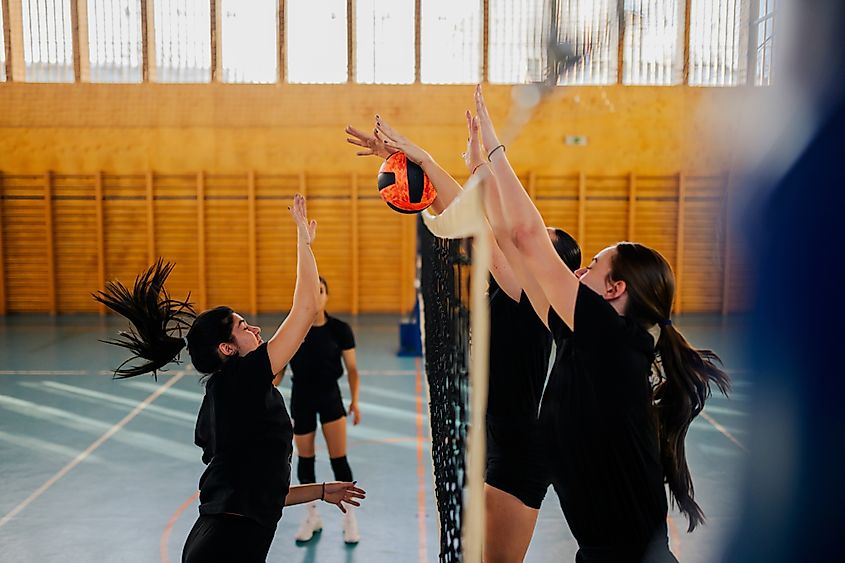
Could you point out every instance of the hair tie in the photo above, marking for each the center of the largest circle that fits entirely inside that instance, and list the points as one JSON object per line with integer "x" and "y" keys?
{"x": 490, "y": 154}
{"x": 665, "y": 322}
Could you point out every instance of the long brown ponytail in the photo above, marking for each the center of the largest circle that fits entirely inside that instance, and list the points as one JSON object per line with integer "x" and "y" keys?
{"x": 683, "y": 375}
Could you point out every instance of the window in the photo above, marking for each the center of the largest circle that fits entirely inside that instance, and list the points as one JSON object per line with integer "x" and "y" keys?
{"x": 47, "y": 41}
{"x": 591, "y": 28}
{"x": 316, "y": 41}
{"x": 384, "y": 49}
{"x": 765, "y": 41}
{"x": 183, "y": 40}
{"x": 249, "y": 41}
{"x": 714, "y": 49}
{"x": 653, "y": 43}
{"x": 451, "y": 42}
{"x": 517, "y": 42}
{"x": 114, "y": 40}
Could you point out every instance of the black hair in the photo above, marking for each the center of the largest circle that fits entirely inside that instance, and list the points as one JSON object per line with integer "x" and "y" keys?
{"x": 157, "y": 323}
{"x": 567, "y": 248}
{"x": 684, "y": 374}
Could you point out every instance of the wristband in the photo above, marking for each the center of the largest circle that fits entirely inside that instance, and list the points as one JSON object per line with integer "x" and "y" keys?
{"x": 476, "y": 168}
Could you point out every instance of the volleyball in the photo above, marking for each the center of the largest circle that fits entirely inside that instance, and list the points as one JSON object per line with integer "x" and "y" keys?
{"x": 404, "y": 186}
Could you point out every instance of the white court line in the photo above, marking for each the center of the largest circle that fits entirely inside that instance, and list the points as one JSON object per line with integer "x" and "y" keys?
{"x": 89, "y": 450}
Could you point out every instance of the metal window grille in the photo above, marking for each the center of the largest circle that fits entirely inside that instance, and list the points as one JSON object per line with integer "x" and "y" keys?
{"x": 316, "y": 41}
{"x": 450, "y": 42}
{"x": 249, "y": 41}
{"x": 715, "y": 47}
{"x": 591, "y": 27}
{"x": 114, "y": 40}
{"x": 47, "y": 40}
{"x": 517, "y": 43}
{"x": 183, "y": 40}
{"x": 653, "y": 42}
{"x": 765, "y": 42}
{"x": 384, "y": 41}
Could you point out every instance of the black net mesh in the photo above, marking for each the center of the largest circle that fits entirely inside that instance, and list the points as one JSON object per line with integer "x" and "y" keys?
{"x": 445, "y": 293}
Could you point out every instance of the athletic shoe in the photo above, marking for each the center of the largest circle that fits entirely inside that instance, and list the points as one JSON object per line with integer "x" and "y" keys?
{"x": 351, "y": 535}
{"x": 311, "y": 525}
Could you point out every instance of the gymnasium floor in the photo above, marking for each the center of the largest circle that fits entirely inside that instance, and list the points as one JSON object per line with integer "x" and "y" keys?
{"x": 93, "y": 469}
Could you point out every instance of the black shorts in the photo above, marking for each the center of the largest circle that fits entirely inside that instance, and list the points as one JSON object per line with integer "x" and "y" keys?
{"x": 516, "y": 460}
{"x": 306, "y": 403}
{"x": 223, "y": 538}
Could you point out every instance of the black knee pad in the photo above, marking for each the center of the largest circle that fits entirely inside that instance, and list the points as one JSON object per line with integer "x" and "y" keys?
{"x": 305, "y": 470}
{"x": 341, "y": 469}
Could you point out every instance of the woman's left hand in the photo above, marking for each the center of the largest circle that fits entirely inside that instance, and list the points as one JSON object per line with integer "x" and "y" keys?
{"x": 355, "y": 412}
{"x": 373, "y": 145}
{"x": 474, "y": 155}
{"x": 339, "y": 492}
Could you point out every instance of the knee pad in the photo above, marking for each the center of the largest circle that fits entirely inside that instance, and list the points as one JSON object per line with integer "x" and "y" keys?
{"x": 305, "y": 470}
{"x": 341, "y": 469}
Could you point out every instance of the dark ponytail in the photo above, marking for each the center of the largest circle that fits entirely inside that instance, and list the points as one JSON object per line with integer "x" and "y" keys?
{"x": 683, "y": 375}
{"x": 157, "y": 321}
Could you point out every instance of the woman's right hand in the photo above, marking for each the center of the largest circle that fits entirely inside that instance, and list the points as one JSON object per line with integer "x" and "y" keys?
{"x": 393, "y": 140}
{"x": 474, "y": 156}
{"x": 306, "y": 230}
{"x": 371, "y": 143}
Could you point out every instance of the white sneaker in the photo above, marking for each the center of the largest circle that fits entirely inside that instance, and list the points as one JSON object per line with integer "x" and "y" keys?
{"x": 351, "y": 535}
{"x": 311, "y": 525}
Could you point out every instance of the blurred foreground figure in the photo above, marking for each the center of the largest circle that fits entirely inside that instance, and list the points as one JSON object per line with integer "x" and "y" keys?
{"x": 794, "y": 500}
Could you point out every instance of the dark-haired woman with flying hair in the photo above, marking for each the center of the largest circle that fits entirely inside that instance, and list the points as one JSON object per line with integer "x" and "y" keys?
{"x": 621, "y": 397}
{"x": 243, "y": 426}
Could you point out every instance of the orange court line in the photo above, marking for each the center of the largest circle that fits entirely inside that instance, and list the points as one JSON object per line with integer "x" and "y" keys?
{"x": 165, "y": 535}
{"x": 723, "y": 430}
{"x": 90, "y": 449}
{"x": 420, "y": 467}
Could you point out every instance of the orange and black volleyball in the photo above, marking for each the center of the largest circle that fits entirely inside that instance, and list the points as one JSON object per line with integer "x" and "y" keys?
{"x": 404, "y": 186}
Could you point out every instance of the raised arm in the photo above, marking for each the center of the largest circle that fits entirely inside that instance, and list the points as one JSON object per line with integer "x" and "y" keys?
{"x": 283, "y": 345}
{"x": 524, "y": 225}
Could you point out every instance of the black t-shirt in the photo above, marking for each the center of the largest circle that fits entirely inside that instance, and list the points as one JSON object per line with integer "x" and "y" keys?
{"x": 519, "y": 358}
{"x": 597, "y": 414}
{"x": 317, "y": 363}
{"x": 246, "y": 437}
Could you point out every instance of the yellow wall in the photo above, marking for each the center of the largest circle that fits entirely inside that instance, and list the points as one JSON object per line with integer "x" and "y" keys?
{"x": 164, "y": 148}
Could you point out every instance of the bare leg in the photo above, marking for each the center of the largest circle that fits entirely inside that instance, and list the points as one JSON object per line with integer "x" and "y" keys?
{"x": 335, "y": 434}
{"x": 509, "y": 527}
{"x": 304, "y": 444}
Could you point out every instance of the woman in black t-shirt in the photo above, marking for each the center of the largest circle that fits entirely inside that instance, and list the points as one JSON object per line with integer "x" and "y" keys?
{"x": 622, "y": 394}
{"x": 317, "y": 366}
{"x": 516, "y": 476}
{"x": 243, "y": 427}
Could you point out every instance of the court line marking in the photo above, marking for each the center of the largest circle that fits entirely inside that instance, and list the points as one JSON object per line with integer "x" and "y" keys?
{"x": 420, "y": 466}
{"x": 90, "y": 449}
{"x": 715, "y": 424}
{"x": 165, "y": 535}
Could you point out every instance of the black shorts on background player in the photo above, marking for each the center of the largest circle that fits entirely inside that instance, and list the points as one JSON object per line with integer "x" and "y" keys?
{"x": 519, "y": 357}
{"x": 598, "y": 421}
{"x": 316, "y": 368}
{"x": 246, "y": 436}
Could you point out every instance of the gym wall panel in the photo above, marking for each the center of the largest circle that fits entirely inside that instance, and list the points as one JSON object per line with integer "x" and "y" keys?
{"x": 557, "y": 200}
{"x": 177, "y": 234}
{"x": 381, "y": 257}
{"x": 227, "y": 242}
{"x": 76, "y": 255}
{"x": 606, "y": 214}
{"x": 329, "y": 202}
{"x": 704, "y": 244}
{"x": 655, "y": 214}
{"x": 127, "y": 227}
{"x": 276, "y": 240}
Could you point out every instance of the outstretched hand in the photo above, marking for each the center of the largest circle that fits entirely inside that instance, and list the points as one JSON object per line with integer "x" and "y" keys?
{"x": 339, "y": 492}
{"x": 488, "y": 132}
{"x": 373, "y": 146}
{"x": 306, "y": 230}
{"x": 393, "y": 140}
{"x": 474, "y": 155}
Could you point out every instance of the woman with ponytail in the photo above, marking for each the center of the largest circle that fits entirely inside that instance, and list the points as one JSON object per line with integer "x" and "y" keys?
{"x": 622, "y": 393}
{"x": 243, "y": 427}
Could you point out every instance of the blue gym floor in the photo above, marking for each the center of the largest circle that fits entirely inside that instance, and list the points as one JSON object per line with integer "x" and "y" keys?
{"x": 93, "y": 469}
